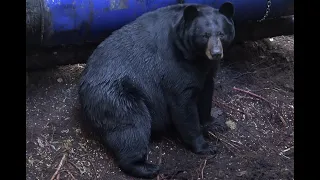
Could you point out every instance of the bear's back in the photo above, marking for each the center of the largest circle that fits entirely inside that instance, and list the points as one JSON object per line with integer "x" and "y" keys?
{"x": 136, "y": 48}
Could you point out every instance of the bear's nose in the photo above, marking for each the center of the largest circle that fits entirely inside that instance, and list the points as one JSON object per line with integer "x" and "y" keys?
{"x": 216, "y": 55}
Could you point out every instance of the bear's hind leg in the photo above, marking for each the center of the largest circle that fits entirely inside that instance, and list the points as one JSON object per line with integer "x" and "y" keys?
{"x": 129, "y": 143}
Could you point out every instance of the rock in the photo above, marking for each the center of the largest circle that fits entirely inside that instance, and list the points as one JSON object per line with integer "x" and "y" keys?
{"x": 60, "y": 80}
{"x": 232, "y": 125}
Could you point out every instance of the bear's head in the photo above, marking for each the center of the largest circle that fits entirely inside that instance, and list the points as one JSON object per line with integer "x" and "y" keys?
{"x": 205, "y": 31}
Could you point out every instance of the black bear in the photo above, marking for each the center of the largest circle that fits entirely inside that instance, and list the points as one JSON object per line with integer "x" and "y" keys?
{"x": 153, "y": 73}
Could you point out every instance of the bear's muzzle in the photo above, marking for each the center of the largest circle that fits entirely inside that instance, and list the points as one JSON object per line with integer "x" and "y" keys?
{"x": 214, "y": 50}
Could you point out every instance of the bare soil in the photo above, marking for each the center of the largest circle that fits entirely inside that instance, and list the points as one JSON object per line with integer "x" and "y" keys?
{"x": 255, "y": 88}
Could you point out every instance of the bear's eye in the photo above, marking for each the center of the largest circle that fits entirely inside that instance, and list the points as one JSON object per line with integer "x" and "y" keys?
{"x": 206, "y": 35}
{"x": 220, "y": 34}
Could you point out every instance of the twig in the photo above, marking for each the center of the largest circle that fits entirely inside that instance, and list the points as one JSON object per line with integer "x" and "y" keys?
{"x": 236, "y": 141}
{"x": 284, "y": 151}
{"x": 282, "y": 120}
{"x": 255, "y": 95}
{"x": 204, "y": 165}
{"x": 222, "y": 140}
{"x": 75, "y": 166}
{"x": 69, "y": 173}
{"x": 63, "y": 159}
{"x": 288, "y": 149}
{"x": 221, "y": 135}
{"x": 285, "y": 156}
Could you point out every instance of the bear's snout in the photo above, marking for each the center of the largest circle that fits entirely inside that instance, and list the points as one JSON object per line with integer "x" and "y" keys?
{"x": 214, "y": 50}
{"x": 216, "y": 54}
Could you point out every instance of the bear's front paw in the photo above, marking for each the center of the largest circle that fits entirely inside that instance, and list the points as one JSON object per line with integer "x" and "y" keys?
{"x": 151, "y": 170}
{"x": 205, "y": 149}
{"x": 141, "y": 170}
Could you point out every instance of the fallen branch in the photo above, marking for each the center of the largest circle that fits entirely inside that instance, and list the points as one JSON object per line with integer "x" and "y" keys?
{"x": 63, "y": 159}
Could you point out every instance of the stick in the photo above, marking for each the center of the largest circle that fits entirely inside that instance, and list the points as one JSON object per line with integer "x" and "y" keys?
{"x": 204, "y": 165}
{"x": 75, "y": 166}
{"x": 288, "y": 149}
{"x": 282, "y": 120}
{"x": 255, "y": 95}
{"x": 222, "y": 140}
{"x": 282, "y": 152}
{"x": 69, "y": 173}
{"x": 63, "y": 159}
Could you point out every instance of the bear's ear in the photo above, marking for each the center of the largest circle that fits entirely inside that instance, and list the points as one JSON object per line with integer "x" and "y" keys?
{"x": 190, "y": 12}
{"x": 227, "y": 9}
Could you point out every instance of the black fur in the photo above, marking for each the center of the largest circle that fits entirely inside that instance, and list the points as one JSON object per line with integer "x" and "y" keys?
{"x": 150, "y": 75}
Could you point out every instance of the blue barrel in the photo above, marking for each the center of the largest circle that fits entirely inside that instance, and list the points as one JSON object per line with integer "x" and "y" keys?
{"x": 56, "y": 22}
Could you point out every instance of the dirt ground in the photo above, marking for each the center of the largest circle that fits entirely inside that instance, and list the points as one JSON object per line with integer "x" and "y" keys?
{"x": 255, "y": 88}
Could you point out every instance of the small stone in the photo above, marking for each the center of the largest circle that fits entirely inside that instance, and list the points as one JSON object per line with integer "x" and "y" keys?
{"x": 232, "y": 125}
{"x": 60, "y": 80}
